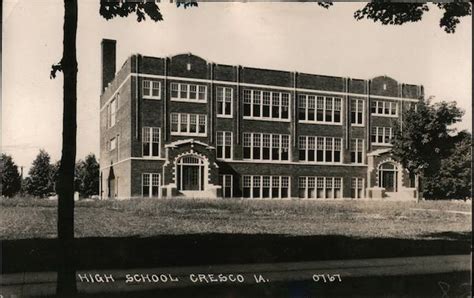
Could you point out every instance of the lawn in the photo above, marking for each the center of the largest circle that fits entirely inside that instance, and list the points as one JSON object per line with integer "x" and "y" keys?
{"x": 34, "y": 218}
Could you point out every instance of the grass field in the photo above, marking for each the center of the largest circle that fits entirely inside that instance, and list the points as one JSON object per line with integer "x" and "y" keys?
{"x": 31, "y": 218}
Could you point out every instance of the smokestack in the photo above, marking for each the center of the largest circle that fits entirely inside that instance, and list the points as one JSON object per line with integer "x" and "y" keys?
{"x": 108, "y": 61}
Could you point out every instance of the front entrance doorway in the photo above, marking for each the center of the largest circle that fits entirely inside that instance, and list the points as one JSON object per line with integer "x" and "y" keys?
{"x": 190, "y": 173}
{"x": 388, "y": 177}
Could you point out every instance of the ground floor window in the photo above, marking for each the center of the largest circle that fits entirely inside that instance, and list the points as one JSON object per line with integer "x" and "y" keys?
{"x": 226, "y": 182}
{"x": 266, "y": 186}
{"x": 320, "y": 187}
{"x": 150, "y": 185}
{"x": 357, "y": 188}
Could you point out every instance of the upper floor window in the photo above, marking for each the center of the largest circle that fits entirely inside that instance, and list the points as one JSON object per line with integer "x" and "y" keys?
{"x": 357, "y": 150}
{"x": 224, "y": 101}
{"x": 263, "y": 146}
{"x": 319, "y": 109}
{"x": 188, "y": 124}
{"x": 224, "y": 144}
{"x": 112, "y": 111}
{"x": 384, "y": 108}
{"x": 357, "y": 111}
{"x": 188, "y": 92}
{"x": 151, "y": 141}
{"x": 320, "y": 149}
{"x": 381, "y": 135}
{"x": 266, "y": 105}
{"x": 113, "y": 144}
{"x": 151, "y": 89}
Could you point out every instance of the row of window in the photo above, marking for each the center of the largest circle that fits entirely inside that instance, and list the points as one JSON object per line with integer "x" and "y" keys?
{"x": 381, "y": 107}
{"x": 381, "y": 135}
{"x": 188, "y": 92}
{"x": 188, "y": 124}
{"x": 262, "y": 186}
{"x": 320, "y": 149}
{"x": 266, "y": 105}
{"x": 319, "y": 109}
{"x": 265, "y": 146}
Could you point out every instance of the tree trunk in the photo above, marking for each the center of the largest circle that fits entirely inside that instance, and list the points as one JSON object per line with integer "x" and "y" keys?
{"x": 66, "y": 285}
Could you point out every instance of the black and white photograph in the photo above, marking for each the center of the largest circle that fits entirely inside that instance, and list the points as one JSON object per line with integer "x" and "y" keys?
{"x": 235, "y": 149}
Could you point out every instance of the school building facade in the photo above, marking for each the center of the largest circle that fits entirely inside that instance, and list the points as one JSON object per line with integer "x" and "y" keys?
{"x": 182, "y": 126}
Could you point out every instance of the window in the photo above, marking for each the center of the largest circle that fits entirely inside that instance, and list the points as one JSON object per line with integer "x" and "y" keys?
{"x": 150, "y": 185}
{"x": 151, "y": 89}
{"x": 320, "y": 149}
{"x": 381, "y": 135}
{"x": 384, "y": 108}
{"x": 188, "y": 124}
{"x": 357, "y": 111}
{"x": 319, "y": 109}
{"x": 151, "y": 141}
{"x": 357, "y": 188}
{"x": 113, "y": 144}
{"x": 224, "y": 101}
{"x": 112, "y": 111}
{"x": 224, "y": 144}
{"x": 357, "y": 149}
{"x": 226, "y": 184}
{"x": 259, "y": 146}
{"x": 188, "y": 92}
{"x": 320, "y": 187}
{"x": 266, "y": 105}
{"x": 266, "y": 186}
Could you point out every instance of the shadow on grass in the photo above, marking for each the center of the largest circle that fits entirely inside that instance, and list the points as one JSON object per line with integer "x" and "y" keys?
{"x": 29, "y": 255}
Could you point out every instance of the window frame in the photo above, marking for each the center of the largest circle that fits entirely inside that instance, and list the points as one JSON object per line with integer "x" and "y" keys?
{"x": 224, "y": 145}
{"x": 151, "y": 88}
{"x": 383, "y": 129}
{"x": 186, "y": 88}
{"x": 357, "y": 112}
{"x": 188, "y": 124}
{"x": 308, "y": 98}
{"x": 317, "y": 147}
{"x": 357, "y": 142}
{"x": 359, "y": 185}
{"x": 284, "y": 141}
{"x": 151, "y": 184}
{"x": 272, "y": 181}
{"x": 224, "y": 185}
{"x": 384, "y": 105}
{"x": 150, "y": 135}
{"x": 304, "y": 181}
{"x": 283, "y": 97}
{"x": 222, "y": 114}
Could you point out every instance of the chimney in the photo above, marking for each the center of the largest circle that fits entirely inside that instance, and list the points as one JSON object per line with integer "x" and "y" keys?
{"x": 108, "y": 61}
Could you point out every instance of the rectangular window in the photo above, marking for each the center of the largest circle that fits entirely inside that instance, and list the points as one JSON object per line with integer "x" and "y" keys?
{"x": 113, "y": 144}
{"x": 384, "y": 108}
{"x": 113, "y": 111}
{"x": 188, "y": 124}
{"x": 302, "y": 148}
{"x": 258, "y": 146}
{"x": 320, "y": 149}
{"x": 320, "y": 109}
{"x": 357, "y": 111}
{"x": 320, "y": 187}
{"x": 188, "y": 92}
{"x": 151, "y": 89}
{"x": 357, "y": 188}
{"x": 226, "y": 182}
{"x": 266, "y": 186}
{"x": 151, "y": 141}
{"x": 247, "y": 146}
{"x": 224, "y": 144}
{"x": 381, "y": 135}
{"x": 247, "y": 186}
{"x": 224, "y": 98}
{"x": 266, "y": 146}
{"x": 150, "y": 185}
{"x": 357, "y": 149}
{"x": 266, "y": 105}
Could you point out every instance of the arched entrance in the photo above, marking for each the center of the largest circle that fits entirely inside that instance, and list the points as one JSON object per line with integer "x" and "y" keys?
{"x": 191, "y": 173}
{"x": 388, "y": 176}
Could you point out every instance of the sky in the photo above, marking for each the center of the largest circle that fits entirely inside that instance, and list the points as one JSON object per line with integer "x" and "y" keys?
{"x": 288, "y": 36}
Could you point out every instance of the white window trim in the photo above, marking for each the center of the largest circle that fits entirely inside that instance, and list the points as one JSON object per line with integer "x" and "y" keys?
{"x": 357, "y": 111}
{"x": 150, "y": 140}
{"x": 279, "y": 119}
{"x": 272, "y": 135}
{"x": 150, "y": 96}
{"x": 224, "y": 185}
{"x": 324, "y": 151}
{"x": 357, "y": 140}
{"x": 187, "y": 99}
{"x": 272, "y": 177}
{"x": 150, "y": 187}
{"x": 383, "y": 114}
{"x": 113, "y": 103}
{"x": 113, "y": 141}
{"x": 324, "y": 122}
{"x": 358, "y": 183}
{"x": 376, "y": 143}
{"x": 187, "y": 133}
{"x": 218, "y": 113}
{"x": 224, "y": 133}
{"x": 333, "y": 193}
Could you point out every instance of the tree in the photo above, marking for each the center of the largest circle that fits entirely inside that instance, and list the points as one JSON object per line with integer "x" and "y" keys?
{"x": 87, "y": 176}
{"x": 389, "y": 13}
{"x": 424, "y": 139}
{"x": 11, "y": 180}
{"x": 40, "y": 182}
{"x": 66, "y": 284}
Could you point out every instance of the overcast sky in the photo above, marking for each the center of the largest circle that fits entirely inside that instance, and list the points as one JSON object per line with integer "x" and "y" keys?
{"x": 289, "y": 36}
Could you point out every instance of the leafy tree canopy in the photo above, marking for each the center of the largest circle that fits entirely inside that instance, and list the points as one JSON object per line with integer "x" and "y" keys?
{"x": 40, "y": 182}
{"x": 11, "y": 180}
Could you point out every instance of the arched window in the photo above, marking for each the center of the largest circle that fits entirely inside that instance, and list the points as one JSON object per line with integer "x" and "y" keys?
{"x": 190, "y": 173}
